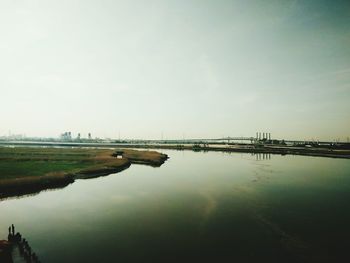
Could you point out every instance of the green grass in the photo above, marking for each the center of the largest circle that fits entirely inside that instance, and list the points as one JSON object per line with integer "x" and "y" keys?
{"x": 60, "y": 154}
{"x": 23, "y": 162}
{"x": 14, "y": 169}
{"x": 26, "y": 170}
{"x": 20, "y": 162}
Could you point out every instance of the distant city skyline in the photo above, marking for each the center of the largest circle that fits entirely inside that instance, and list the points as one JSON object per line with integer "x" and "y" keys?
{"x": 69, "y": 136}
{"x": 174, "y": 69}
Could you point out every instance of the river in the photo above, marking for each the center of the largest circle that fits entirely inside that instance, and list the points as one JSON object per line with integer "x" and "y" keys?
{"x": 197, "y": 207}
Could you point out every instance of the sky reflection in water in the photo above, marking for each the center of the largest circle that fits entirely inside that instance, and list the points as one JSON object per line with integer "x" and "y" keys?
{"x": 196, "y": 207}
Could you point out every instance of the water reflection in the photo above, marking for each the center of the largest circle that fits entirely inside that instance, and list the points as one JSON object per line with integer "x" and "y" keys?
{"x": 198, "y": 207}
{"x": 262, "y": 156}
{"x": 28, "y": 193}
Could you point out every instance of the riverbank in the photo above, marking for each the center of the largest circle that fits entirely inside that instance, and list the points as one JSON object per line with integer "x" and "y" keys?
{"x": 249, "y": 148}
{"x": 26, "y": 170}
{"x": 272, "y": 149}
{"x": 321, "y": 151}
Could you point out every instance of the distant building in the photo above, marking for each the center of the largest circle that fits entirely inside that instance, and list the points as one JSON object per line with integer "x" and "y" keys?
{"x": 66, "y": 136}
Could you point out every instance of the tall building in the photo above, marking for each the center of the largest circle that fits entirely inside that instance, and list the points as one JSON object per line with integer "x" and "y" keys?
{"x": 66, "y": 136}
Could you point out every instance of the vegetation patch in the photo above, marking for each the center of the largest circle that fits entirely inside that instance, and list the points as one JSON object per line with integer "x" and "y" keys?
{"x": 29, "y": 169}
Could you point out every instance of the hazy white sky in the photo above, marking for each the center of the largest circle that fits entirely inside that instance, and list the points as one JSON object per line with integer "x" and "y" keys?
{"x": 181, "y": 67}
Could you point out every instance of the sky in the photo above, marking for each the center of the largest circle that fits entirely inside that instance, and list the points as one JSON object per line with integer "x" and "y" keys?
{"x": 175, "y": 68}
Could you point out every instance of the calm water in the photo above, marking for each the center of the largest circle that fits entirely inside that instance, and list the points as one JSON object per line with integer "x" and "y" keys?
{"x": 197, "y": 207}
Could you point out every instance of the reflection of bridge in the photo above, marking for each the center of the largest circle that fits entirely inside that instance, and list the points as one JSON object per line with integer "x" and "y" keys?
{"x": 262, "y": 156}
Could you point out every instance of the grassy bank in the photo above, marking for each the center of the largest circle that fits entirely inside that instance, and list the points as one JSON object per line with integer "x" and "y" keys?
{"x": 30, "y": 169}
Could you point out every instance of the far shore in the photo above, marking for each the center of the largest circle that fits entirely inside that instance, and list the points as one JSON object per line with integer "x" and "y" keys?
{"x": 270, "y": 149}
{"x": 242, "y": 148}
